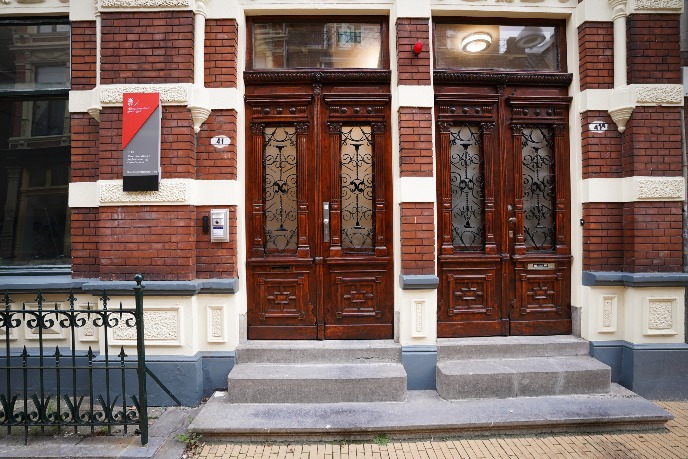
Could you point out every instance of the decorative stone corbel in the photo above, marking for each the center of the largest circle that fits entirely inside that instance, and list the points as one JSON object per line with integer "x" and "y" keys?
{"x": 95, "y": 108}
{"x": 621, "y": 116}
{"x": 199, "y": 115}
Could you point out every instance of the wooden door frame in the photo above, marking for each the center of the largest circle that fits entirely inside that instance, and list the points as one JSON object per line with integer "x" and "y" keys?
{"x": 485, "y": 98}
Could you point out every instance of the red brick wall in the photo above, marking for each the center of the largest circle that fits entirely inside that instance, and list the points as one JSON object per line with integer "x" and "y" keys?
{"x": 83, "y": 55}
{"x": 85, "y": 255}
{"x": 415, "y": 142}
{"x": 601, "y": 150}
{"x": 652, "y": 142}
{"x": 220, "y": 53}
{"x": 147, "y": 47}
{"x": 155, "y": 240}
{"x": 177, "y": 146}
{"x": 596, "y": 55}
{"x": 413, "y": 70}
{"x": 603, "y": 243}
{"x": 84, "y": 166}
{"x": 652, "y": 235}
{"x": 216, "y": 259}
{"x": 417, "y": 238}
{"x": 217, "y": 163}
{"x": 653, "y": 49}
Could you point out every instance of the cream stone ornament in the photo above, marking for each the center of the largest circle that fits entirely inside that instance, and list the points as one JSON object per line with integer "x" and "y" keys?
{"x": 169, "y": 191}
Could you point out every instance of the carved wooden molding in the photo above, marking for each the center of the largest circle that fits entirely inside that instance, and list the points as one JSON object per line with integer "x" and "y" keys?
{"x": 317, "y": 76}
{"x": 552, "y": 79}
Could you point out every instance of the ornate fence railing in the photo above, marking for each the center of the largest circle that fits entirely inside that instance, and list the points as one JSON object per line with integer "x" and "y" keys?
{"x": 50, "y": 387}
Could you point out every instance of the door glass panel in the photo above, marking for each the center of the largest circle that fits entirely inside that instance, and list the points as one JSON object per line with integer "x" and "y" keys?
{"x": 492, "y": 46}
{"x": 317, "y": 44}
{"x": 467, "y": 187}
{"x": 539, "y": 192}
{"x": 279, "y": 189}
{"x": 357, "y": 189}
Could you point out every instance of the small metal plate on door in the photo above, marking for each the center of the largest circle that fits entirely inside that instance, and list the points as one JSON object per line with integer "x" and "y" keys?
{"x": 541, "y": 266}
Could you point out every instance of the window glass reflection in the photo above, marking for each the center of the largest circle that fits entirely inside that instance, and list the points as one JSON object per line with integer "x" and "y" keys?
{"x": 503, "y": 47}
{"x": 284, "y": 45}
{"x": 34, "y": 143}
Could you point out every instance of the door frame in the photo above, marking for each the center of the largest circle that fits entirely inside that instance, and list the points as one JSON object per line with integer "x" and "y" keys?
{"x": 322, "y": 271}
{"x": 499, "y": 282}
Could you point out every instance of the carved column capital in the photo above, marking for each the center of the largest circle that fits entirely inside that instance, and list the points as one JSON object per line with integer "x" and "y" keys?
{"x": 618, "y": 9}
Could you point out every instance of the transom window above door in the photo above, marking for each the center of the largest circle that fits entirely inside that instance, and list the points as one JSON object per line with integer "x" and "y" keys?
{"x": 500, "y": 45}
{"x": 318, "y": 44}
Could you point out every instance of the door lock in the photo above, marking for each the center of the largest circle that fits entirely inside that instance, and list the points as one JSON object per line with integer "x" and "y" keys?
{"x": 326, "y": 222}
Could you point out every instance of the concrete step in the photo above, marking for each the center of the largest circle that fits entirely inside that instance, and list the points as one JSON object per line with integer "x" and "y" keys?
{"x": 504, "y": 347}
{"x": 317, "y": 383}
{"x": 318, "y": 351}
{"x": 425, "y": 414}
{"x": 525, "y": 377}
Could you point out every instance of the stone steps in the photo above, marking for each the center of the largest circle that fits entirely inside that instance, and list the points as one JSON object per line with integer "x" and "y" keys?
{"x": 317, "y": 383}
{"x": 517, "y": 366}
{"x": 528, "y": 377}
{"x": 317, "y": 372}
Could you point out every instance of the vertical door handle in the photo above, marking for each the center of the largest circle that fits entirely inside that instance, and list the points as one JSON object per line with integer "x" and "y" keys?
{"x": 326, "y": 222}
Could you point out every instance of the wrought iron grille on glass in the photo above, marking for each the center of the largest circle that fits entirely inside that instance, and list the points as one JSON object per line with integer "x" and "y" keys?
{"x": 70, "y": 387}
{"x": 279, "y": 189}
{"x": 357, "y": 190}
{"x": 539, "y": 192}
{"x": 467, "y": 187}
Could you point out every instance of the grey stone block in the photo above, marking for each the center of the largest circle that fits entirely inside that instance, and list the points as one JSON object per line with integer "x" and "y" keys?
{"x": 424, "y": 413}
{"x": 317, "y": 383}
{"x": 527, "y": 377}
{"x": 318, "y": 352}
{"x": 504, "y": 347}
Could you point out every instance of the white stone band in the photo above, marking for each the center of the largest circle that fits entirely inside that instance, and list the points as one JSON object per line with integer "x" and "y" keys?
{"x": 631, "y": 189}
{"x": 417, "y": 189}
{"x": 172, "y": 192}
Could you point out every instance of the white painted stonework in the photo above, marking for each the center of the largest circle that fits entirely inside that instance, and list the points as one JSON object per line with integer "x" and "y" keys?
{"x": 630, "y": 189}
{"x": 656, "y": 6}
{"x": 173, "y": 192}
{"x": 637, "y": 315}
{"x": 417, "y": 189}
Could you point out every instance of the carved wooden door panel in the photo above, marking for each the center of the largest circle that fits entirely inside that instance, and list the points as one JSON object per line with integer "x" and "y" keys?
{"x": 503, "y": 211}
{"x": 318, "y": 167}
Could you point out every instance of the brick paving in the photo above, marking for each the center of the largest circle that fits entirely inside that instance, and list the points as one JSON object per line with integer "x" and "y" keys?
{"x": 669, "y": 444}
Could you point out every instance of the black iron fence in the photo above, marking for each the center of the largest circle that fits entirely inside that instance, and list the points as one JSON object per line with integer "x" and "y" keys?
{"x": 69, "y": 386}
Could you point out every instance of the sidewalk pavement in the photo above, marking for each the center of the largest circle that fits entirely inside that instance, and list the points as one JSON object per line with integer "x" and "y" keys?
{"x": 671, "y": 443}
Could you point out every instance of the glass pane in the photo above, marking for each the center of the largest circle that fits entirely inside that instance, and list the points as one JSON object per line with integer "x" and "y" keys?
{"x": 34, "y": 174}
{"x": 357, "y": 192}
{"x": 279, "y": 189}
{"x": 500, "y": 47}
{"x": 34, "y": 56}
{"x": 467, "y": 187}
{"x": 539, "y": 192}
{"x": 289, "y": 45}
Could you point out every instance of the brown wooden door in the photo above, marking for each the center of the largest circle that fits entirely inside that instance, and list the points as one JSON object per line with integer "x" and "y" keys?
{"x": 503, "y": 205}
{"x": 319, "y": 246}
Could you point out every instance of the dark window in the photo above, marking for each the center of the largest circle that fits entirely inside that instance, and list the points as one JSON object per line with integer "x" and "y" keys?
{"x": 34, "y": 141}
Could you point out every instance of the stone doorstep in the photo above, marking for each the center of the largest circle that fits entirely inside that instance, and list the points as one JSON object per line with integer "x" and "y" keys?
{"x": 315, "y": 383}
{"x": 336, "y": 351}
{"x": 501, "y": 347}
{"x": 529, "y": 377}
{"x": 424, "y": 414}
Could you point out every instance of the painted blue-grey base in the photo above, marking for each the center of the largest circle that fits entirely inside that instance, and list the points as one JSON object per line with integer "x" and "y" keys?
{"x": 419, "y": 363}
{"x": 619, "y": 278}
{"x": 418, "y": 282}
{"x": 189, "y": 378}
{"x": 654, "y": 371}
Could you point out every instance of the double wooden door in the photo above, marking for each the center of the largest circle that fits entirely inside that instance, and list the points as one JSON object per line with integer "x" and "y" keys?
{"x": 503, "y": 210}
{"x": 318, "y": 181}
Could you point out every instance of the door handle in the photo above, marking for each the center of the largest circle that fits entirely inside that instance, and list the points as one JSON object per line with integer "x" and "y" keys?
{"x": 512, "y": 220}
{"x": 326, "y": 222}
